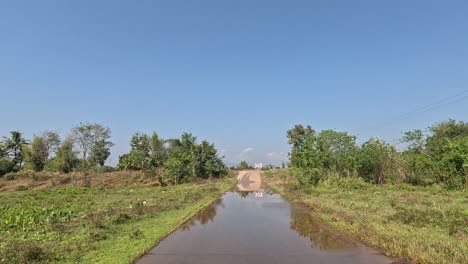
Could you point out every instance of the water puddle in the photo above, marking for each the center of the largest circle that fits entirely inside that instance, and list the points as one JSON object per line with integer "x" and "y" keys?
{"x": 246, "y": 227}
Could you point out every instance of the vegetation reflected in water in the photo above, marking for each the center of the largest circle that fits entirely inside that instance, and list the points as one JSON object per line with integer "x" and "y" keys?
{"x": 302, "y": 222}
{"x": 307, "y": 226}
{"x": 243, "y": 194}
{"x": 205, "y": 216}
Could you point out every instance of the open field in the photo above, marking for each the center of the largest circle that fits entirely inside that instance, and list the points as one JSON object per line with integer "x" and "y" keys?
{"x": 417, "y": 224}
{"x": 101, "y": 224}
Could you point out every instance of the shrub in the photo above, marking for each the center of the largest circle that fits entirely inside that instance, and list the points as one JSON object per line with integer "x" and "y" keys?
{"x": 377, "y": 160}
{"x": 6, "y": 166}
{"x": 21, "y": 188}
{"x": 349, "y": 183}
{"x": 420, "y": 169}
{"x": 310, "y": 176}
{"x": 122, "y": 218}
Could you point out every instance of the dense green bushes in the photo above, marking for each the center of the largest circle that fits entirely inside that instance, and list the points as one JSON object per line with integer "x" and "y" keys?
{"x": 6, "y": 166}
{"x": 181, "y": 159}
{"x": 440, "y": 157}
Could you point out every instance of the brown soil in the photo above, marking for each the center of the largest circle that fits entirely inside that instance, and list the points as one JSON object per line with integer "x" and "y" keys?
{"x": 47, "y": 180}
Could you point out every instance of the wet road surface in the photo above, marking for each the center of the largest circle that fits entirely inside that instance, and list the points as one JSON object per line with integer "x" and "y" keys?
{"x": 241, "y": 227}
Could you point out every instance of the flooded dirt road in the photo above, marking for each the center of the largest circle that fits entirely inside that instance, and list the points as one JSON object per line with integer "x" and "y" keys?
{"x": 258, "y": 227}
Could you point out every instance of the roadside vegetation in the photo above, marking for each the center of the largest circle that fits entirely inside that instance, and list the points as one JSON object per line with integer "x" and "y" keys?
{"x": 87, "y": 147}
{"x": 438, "y": 157}
{"x": 61, "y": 203}
{"x": 96, "y": 225}
{"x": 412, "y": 203}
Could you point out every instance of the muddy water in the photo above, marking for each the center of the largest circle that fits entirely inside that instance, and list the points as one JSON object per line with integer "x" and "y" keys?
{"x": 242, "y": 228}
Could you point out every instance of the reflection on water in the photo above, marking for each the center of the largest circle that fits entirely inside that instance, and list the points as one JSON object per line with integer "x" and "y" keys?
{"x": 320, "y": 237}
{"x": 302, "y": 222}
{"x": 242, "y": 227}
{"x": 204, "y": 216}
{"x": 243, "y": 194}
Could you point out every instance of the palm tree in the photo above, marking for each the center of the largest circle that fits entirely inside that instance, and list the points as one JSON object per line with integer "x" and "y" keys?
{"x": 3, "y": 151}
{"x": 14, "y": 144}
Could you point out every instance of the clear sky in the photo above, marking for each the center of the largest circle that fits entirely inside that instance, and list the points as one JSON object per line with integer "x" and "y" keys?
{"x": 237, "y": 73}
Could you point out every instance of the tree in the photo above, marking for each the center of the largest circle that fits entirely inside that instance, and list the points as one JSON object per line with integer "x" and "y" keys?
{"x": 337, "y": 151}
{"x": 87, "y": 135}
{"x": 3, "y": 150}
{"x": 314, "y": 155}
{"x": 296, "y": 138}
{"x": 155, "y": 144}
{"x": 135, "y": 160}
{"x": 209, "y": 164}
{"x": 298, "y": 133}
{"x": 188, "y": 160}
{"x": 244, "y": 165}
{"x": 158, "y": 150}
{"x": 36, "y": 156}
{"x": 139, "y": 156}
{"x": 443, "y": 133}
{"x": 141, "y": 142}
{"x": 51, "y": 141}
{"x": 183, "y": 155}
{"x": 14, "y": 144}
{"x": 99, "y": 153}
{"x": 66, "y": 158}
{"x": 377, "y": 160}
{"x": 175, "y": 168}
{"x": 415, "y": 140}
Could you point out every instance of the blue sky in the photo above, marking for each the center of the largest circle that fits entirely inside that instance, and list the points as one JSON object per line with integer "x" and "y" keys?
{"x": 237, "y": 73}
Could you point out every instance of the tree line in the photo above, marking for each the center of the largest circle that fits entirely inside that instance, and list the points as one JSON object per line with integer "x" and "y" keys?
{"x": 88, "y": 145}
{"x": 182, "y": 158}
{"x": 438, "y": 155}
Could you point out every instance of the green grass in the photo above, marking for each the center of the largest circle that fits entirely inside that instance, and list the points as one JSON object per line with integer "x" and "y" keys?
{"x": 96, "y": 225}
{"x": 419, "y": 224}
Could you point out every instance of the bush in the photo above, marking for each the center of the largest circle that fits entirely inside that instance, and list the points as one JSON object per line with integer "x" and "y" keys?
{"x": 307, "y": 176}
{"x": 24, "y": 252}
{"x": 349, "y": 183}
{"x": 377, "y": 160}
{"x": 122, "y": 218}
{"x": 438, "y": 158}
{"x": 21, "y": 188}
{"x": 6, "y": 166}
{"x": 453, "y": 158}
{"x": 135, "y": 160}
{"x": 420, "y": 169}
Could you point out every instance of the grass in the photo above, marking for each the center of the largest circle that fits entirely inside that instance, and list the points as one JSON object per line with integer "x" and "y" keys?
{"x": 96, "y": 225}
{"x": 416, "y": 224}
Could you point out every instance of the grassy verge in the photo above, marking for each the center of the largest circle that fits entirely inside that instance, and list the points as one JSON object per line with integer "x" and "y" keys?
{"x": 96, "y": 225}
{"x": 421, "y": 225}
